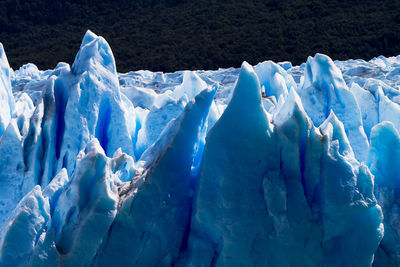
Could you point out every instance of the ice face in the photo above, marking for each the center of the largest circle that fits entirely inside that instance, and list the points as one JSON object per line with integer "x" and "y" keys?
{"x": 276, "y": 165}
{"x": 383, "y": 156}
{"x": 282, "y": 194}
{"x": 6, "y": 98}
{"x": 162, "y": 195}
{"x": 274, "y": 79}
{"x": 324, "y": 90}
{"x": 228, "y": 205}
{"x": 12, "y": 182}
{"x": 86, "y": 207}
{"x": 29, "y": 221}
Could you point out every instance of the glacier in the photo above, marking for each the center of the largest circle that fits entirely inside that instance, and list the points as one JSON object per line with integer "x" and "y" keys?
{"x": 265, "y": 165}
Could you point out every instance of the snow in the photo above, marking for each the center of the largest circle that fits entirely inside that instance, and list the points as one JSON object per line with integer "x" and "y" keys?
{"x": 271, "y": 165}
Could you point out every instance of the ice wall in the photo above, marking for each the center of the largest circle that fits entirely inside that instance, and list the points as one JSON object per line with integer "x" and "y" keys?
{"x": 267, "y": 166}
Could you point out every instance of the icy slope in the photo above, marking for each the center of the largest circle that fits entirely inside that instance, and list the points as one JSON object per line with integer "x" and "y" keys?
{"x": 267, "y": 166}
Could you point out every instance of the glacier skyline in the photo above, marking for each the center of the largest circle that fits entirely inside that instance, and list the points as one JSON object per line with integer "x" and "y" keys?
{"x": 266, "y": 165}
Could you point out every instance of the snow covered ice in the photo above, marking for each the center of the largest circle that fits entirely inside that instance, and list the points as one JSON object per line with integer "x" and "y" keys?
{"x": 271, "y": 165}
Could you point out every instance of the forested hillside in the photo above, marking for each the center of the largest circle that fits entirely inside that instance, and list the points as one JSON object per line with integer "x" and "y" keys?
{"x": 169, "y": 35}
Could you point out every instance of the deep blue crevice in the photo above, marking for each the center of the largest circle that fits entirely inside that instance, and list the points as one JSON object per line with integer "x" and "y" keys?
{"x": 378, "y": 101}
{"x": 65, "y": 160}
{"x": 28, "y": 145}
{"x": 321, "y": 187}
{"x": 397, "y": 189}
{"x": 302, "y": 151}
{"x": 54, "y": 200}
{"x": 138, "y": 127}
{"x": 185, "y": 239}
{"x": 44, "y": 139}
{"x": 199, "y": 151}
{"x": 328, "y": 100}
{"x": 41, "y": 154}
{"x": 217, "y": 252}
{"x": 61, "y": 104}
{"x": 102, "y": 124}
{"x": 20, "y": 123}
{"x": 70, "y": 213}
{"x": 39, "y": 233}
{"x": 281, "y": 160}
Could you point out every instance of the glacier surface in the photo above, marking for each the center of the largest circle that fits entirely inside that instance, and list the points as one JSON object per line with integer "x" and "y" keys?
{"x": 271, "y": 165}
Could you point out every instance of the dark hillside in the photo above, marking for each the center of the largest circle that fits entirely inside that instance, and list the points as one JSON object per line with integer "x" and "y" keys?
{"x": 169, "y": 35}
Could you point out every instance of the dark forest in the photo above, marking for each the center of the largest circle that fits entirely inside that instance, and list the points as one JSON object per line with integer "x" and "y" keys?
{"x": 168, "y": 35}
